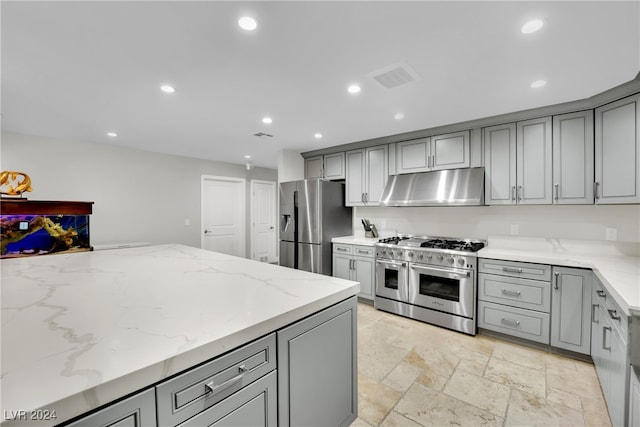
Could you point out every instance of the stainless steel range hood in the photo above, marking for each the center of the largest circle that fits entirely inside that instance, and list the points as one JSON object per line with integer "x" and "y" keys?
{"x": 453, "y": 187}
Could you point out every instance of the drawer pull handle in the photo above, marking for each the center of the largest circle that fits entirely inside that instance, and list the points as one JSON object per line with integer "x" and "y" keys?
{"x": 557, "y": 276}
{"x": 510, "y": 293}
{"x": 510, "y": 322}
{"x": 593, "y": 313}
{"x": 604, "y": 337}
{"x": 341, "y": 249}
{"x": 512, "y": 270}
{"x": 363, "y": 252}
{"x": 210, "y": 387}
{"x": 601, "y": 293}
{"x": 613, "y": 314}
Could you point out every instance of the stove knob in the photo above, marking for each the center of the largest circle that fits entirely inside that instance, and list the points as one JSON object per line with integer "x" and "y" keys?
{"x": 461, "y": 261}
{"x": 410, "y": 254}
{"x": 421, "y": 256}
{"x": 451, "y": 260}
{"x": 429, "y": 257}
{"x": 384, "y": 252}
{"x": 440, "y": 257}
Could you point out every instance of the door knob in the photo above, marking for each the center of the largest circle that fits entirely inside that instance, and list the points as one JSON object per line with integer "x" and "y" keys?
{"x": 206, "y": 231}
{"x": 271, "y": 228}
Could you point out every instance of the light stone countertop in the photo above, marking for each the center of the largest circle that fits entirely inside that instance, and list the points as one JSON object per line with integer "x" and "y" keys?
{"x": 357, "y": 240}
{"x": 616, "y": 264}
{"x": 80, "y": 330}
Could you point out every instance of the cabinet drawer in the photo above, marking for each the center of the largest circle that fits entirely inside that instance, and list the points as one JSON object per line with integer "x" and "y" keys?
{"x": 367, "y": 251}
{"x": 516, "y": 292}
{"x": 610, "y": 309}
{"x": 136, "y": 411}
{"x": 188, "y": 394}
{"x": 518, "y": 322}
{"x": 340, "y": 248}
{"x": 516, "y": 269}
{"x": 254, "y": 405}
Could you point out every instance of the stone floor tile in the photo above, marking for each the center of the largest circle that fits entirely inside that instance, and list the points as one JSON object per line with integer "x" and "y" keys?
{"x": 432, "y": 408}
{"x": 528, "y": 410}
{"x": 433, "y": 359}
{"x": 375, "y": 400}
{"x": 595, "y": 412}
{"x": 376, "y": 361}
{"x": 572, "y": 382}
{"x": 359, "y": 422}
{"x": 479, "y": 392}
{"x": 564, "y": 398}
{"x": 394, "y": 419}
{"x": 402, "y": 376}
{"x": 526, "y": 379}
{"x": 521, "y": 355}
{"x": 472, "y": 367}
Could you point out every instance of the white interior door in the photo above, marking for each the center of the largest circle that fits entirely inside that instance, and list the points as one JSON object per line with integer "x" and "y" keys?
{"x": 263, "y": 221}
{"x": 224, "y": 215}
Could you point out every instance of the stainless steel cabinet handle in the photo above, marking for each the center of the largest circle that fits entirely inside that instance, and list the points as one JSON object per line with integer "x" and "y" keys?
{"x": 557, "y": 285}
{"x": 362, "y": 197}
{"x": 557, "y": 196}
{"x": 512, "y": 270}
{"x": 613, "y": 314}
{"x": 593, "y": 313}
{"x": 601, "y": 293}
{"x": 513, "y": 193}
{"x": 595, "y": 190}
{"x": 206, "y": 231}
{"x": 360, "y": 251}
{"x": 510, "y": 322}
{"x": 210, "y": 387}
{"x": 519, "y": 194}
{"x": 366, "y": 197}
{"x": 510, "y": 293}
{"x": 604, "y": 337}
{"x": 341, "y": 249}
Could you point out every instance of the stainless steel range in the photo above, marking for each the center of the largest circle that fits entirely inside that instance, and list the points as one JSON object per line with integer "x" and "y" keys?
{"x": 431, "y": 279}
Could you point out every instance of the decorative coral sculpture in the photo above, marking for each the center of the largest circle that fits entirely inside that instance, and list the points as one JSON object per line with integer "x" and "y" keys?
{"x": 9, "y": 179}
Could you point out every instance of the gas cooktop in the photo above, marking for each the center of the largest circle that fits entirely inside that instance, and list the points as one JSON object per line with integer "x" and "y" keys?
{"x": 447, "y": 243}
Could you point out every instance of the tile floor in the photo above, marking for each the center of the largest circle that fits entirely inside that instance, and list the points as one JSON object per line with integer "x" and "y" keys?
{"x": 414, "y": 374}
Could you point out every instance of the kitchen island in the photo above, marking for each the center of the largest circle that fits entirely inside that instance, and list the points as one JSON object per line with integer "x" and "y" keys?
{"x": 82, "y": 330}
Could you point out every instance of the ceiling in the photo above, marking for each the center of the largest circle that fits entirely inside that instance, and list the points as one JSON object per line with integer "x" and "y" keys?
{"x": 77, "y": 70}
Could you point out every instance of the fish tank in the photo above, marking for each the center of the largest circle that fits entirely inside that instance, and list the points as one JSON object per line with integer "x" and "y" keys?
{"x": 41, "y": 228}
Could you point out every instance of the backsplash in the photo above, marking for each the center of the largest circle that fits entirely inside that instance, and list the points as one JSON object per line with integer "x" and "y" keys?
{"x": 560, "y": 222}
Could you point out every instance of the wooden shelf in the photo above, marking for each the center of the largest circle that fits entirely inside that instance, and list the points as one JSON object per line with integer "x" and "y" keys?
{"x": 9, "y": 206}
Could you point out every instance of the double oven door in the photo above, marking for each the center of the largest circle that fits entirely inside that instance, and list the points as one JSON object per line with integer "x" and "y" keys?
{"x": 446, "y": 289}
{"x": 392, "y": 279}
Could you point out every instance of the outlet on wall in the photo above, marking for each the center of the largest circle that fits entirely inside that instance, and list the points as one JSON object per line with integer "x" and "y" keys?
{"x": 515, "y": 229}
{"x": 187, "y": 222}
{"x": 611, "y": 234}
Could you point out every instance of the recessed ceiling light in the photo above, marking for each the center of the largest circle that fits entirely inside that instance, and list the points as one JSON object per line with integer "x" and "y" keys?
{"x": 538, "y": 83}
{"x": 353, "y": 89}
{"x": 167, "y": 88}
{"x": 112, "y": 134}
{"x": 247, "y": 23}
{"x": 317, "y": 135}
{"x": 267, "y": 120}
{"x": 247, "y": 156}
{"x": 532, "y": 26}
{"x": 398, "y": 116}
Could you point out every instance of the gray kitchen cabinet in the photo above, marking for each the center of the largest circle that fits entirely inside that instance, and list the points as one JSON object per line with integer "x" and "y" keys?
{"x": 317, "y": 368}
{"x": 570, "y": 309}
{"x": 366, "y": 175}
{"x": 329, "y": 166}
{"x": 500, "y": 164}
{"x": 449, "y": 151}
{"x": 514, "y": 298}
{"x": 634, "y": 397}
{"x": 617, "y": 151}
{"x": 573, "y": 158}
{"x": 138, "y": 410}
{"x": 357, "y": 263}
{"x": 609, "y": 351}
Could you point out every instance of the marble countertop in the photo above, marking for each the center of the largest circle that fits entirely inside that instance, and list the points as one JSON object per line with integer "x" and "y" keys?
{"x": 80, "y": 330}
{"x": 616, "y": 264}
{"x": 357, "y": 240}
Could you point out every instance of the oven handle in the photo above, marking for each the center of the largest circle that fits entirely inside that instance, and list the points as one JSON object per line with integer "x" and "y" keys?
{"x": 392, "y": 263}
{"x": 448, "y": 272}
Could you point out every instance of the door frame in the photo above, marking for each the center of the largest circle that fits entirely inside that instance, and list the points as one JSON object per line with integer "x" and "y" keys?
{"x": 243, "y": 207}
{"x": 252, "y": 226}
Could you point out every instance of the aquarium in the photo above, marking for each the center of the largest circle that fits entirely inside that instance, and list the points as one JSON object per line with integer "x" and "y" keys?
{"x": 29, "y": 235}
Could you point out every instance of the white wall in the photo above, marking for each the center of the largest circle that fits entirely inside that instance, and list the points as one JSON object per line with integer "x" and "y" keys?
{"x": 562, "y": 222}
{"x": 138, "y": 195}
{"x": 290, "y": 166}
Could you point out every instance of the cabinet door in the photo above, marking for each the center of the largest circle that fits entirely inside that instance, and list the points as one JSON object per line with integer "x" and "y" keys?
{"x": 450, "y": 151}
{"x": 573, "y": 158}
{"x": 355, "y": 178}
{"x": 618, "y": 152}
{"x": 634, "y": 398}
{"x": 317, "y": 369}
{"x": 334, "y": 166}
{"x": 412, "y": 156}
{"x": 342, "y": 266}
{"x": 500, "y": 164}
{"x": 376, "y": 173}
{"x": 313, "y": 167}
{"x": 571, "y": 309}
{"x": 364, "y": 269}
{"x": 533, "y": 165}
{"x": 616, "y": 401}
{"x": 136, "y": 411}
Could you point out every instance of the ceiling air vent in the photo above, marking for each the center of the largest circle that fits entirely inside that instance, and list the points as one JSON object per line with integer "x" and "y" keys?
{"x": 262, "y": 135}
{"x": 395, "y": 75}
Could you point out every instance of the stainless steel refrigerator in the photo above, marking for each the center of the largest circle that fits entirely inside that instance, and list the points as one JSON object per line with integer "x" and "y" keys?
{"x": 312, "y": 211}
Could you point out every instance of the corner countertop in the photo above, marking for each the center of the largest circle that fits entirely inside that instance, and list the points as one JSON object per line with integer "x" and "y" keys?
{"x": 80, "y": 330}
{"x": 616, "y": 264}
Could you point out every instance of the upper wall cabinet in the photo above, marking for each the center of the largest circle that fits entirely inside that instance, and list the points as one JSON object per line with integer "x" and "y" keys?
{"x": 518, "y": 163}
{"x": 573, "y": 158}
{"x": 617, "y": 155}
{"x": 330, "y": 166}
{"x": 448, "y": 151}
{"x": 366, "y": 176}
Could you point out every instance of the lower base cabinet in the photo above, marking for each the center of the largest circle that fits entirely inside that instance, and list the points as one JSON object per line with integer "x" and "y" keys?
{"x": 357, "y": 263}
{"x": 634, "y": 397}
{"x": 309, "y": 380}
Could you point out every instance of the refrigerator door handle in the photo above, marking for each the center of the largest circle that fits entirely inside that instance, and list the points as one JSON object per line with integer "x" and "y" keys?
{"x": 287, "y": 220}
